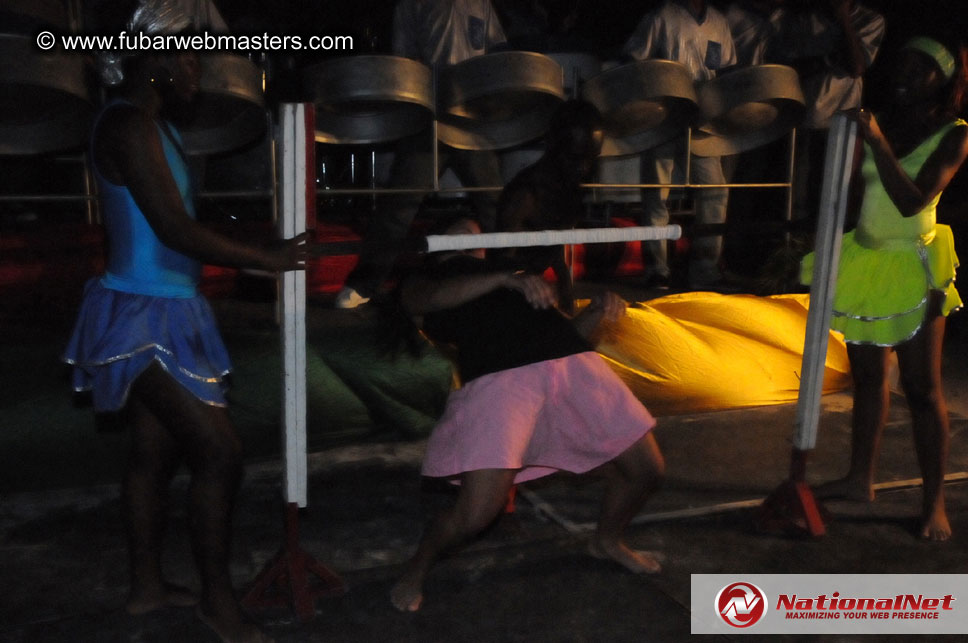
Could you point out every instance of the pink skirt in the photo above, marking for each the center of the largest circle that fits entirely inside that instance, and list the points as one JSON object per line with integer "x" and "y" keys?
{"x": 568, "y": 414}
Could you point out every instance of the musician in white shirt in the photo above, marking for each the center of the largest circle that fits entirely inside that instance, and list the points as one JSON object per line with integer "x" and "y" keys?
{"x": 436, "y": 33}
{"x": 697, "y": 35}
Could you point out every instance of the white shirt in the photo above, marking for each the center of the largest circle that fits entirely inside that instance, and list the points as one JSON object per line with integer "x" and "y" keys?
{"x": 445, "y": 31}
{"x": 816, "y": 34}
{"x": 753, "y": 32}
{"x": 672, "y": 33}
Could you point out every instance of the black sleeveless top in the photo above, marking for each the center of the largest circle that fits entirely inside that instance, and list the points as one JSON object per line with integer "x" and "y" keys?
{"x": 499, "y": 330}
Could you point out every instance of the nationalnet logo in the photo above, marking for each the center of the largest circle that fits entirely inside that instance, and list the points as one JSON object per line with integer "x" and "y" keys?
{"x": 898, "y": 607}
{"x": 741, "y": 604}
{"x": 829, "y": 604}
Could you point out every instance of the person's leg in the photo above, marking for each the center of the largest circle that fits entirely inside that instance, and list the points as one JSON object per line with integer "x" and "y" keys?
{"x": 152, "y": 460}
{"x": 412, "y": 168}
{"x": 631, "y": 478}
{"x": 213, "y": 453}
{"x": 657, "y": 167}
{"x": 808, "y": 169}
{"x": 868, "y": 367}
{"x": 483, "y": 494}
{"x": 920, "y": 364}
{"x": 711, "y": 203}
{"x": 801, "y": 177}
{"x": 479, "y": 169}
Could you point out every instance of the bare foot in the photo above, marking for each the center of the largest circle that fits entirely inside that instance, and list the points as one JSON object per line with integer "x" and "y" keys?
{"x": 936, "y": 527}
{"x": 639, "y": 562}
{"x": 846, "y": 488}
{"x": 407, "y": 594}
{"x": 233, "y": 630}
{"x": 168, "y": 595}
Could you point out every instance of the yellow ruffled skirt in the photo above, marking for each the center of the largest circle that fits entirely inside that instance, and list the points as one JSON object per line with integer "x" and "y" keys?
{"x": 882, "y": 292}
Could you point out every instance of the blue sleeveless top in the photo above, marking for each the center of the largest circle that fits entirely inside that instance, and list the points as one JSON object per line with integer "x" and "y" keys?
{"x": 138, "y": 262}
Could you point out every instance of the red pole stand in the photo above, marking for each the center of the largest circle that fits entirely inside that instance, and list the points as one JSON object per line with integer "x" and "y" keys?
{"x": 792, "y": 508}
{"x": 293, "y": 578}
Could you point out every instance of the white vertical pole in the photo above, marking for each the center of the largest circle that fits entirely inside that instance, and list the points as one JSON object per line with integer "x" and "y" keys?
{"x": 833, "y": 207}
{"x": 292, "y": 221}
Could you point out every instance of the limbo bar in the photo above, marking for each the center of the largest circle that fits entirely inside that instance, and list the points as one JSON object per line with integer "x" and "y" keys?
{"x": 437, "y": 243}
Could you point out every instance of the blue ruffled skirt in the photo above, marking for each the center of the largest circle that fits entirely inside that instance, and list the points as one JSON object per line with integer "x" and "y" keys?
{"x": 118, "y": 335}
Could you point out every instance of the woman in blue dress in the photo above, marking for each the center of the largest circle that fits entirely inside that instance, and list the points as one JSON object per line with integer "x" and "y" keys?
{"x": 146, "y": 343}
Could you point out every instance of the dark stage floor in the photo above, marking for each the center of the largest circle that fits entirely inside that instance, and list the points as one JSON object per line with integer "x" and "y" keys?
{"x": 63, "y": 563}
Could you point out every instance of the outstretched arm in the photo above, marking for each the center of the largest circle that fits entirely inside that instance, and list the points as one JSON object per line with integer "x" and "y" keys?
{"x": 129, "y": 147}
{"x": 422, "y": 295}
{"x": 912, "y": 195}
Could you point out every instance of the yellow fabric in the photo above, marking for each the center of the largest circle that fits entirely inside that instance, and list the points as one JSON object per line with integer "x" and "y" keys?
{"x": 704, "y": 351}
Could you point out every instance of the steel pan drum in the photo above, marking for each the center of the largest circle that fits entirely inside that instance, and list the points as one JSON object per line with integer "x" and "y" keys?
{"x": 744, "y": 109}
{"x": 362, "y": 100}
{"x": 231, "y": 112}
{"x": 497, "y": 101}
{"x": 644, "y": 103}
{"x": 46, "y": 102}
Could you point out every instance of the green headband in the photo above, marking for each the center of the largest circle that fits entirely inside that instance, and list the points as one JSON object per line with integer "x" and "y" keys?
{"x": 936, "y": 51}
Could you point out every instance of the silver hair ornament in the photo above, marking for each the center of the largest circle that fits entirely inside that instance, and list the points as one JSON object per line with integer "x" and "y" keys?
{"x": 151, "y": 17}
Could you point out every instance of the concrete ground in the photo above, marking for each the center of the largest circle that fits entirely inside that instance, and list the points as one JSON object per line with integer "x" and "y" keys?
{"x": 63, "y": 562}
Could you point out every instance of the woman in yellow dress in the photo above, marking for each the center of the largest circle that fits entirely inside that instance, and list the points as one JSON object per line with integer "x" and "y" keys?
{"x": 895, "y": 283}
